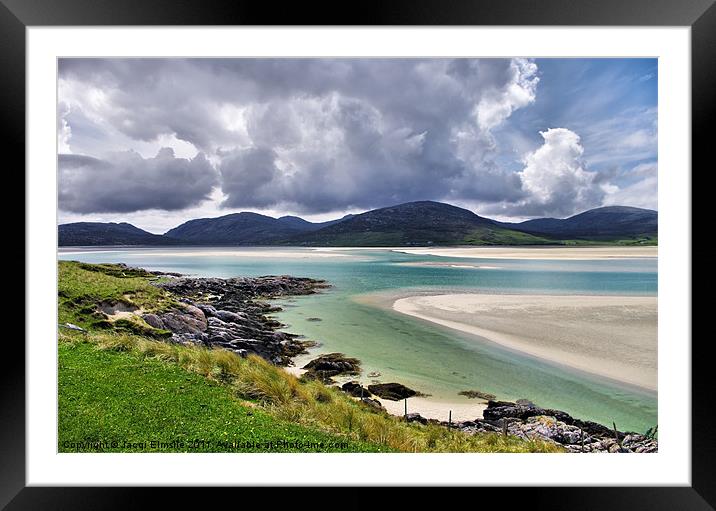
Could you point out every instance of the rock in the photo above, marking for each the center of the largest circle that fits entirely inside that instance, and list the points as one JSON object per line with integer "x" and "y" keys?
{"x": 526, "y": 420}
{"x": 373, "y": 403}
{"x": 391, "y": 391}
{"x": 500, "y": 409}
{"x": 207, "y": 309}
{"x": 196, "y": 313}
{"x": 182, "y": 323}
{"x": 416, "y": 417}
{"x": 549, "y": 427}
{"x": 154, "y": 321}
{"x": 355, "y": 389}
{"x": 314, "y": 319}
{"x": 223, "y": 291}
{"x": 71, "y": 326}
{"x": 332, "y": 364}
{"x": 230, "y": 317}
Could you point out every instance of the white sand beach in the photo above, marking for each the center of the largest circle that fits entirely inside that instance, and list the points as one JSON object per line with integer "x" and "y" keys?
{"x": 278, "y": 254}
{"x": 462, "y": 408}
{"x": 431, "y": 409}
{"x": 552, "y": 253}
{"x": 610, "y": 336}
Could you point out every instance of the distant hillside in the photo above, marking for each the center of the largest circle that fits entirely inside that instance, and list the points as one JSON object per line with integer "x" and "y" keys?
{"x": 415, "y": 223}
{"x": 234, "y": 229}
{"x": 299, "y": 223}
{"x": 244, "y": 229}
{"x": 98, "y": 233}
{"x": 610, "y": 222}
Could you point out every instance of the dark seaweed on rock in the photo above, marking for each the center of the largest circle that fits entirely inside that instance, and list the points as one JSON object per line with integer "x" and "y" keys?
{"x": 476, "y": 394}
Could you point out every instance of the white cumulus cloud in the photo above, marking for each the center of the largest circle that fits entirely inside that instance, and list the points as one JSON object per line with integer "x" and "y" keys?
{"x": 497, "y": 104}
{"x": 555, "y": 179}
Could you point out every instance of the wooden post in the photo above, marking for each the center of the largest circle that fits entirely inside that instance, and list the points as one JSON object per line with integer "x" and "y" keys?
{"x": 504, "y": 426}
{"x": 582, "y": 432}
{"x": 450, "y": 419}
{"x": 406, "y": 409}
{"x": 616, "y": 434}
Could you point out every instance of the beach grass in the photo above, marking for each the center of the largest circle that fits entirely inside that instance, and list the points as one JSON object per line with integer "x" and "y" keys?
{"x": 114, "y": 383}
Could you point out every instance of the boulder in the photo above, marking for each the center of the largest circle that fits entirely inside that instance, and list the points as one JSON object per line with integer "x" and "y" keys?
{"x": 207, "y": 309}
{"x": 230, "y": 317}
{"x": 416, "y": 417}
{"x": 355, "y": 389}
{"x": 182, "y": 323}
{"x": 154, "y": 321}
{"x": 391, "y": 391}
{"x": 196, "y": 313}
{"x": 503, "y": 409}
{"x": 333, "y": 364}
{"x": 373, "y": 403}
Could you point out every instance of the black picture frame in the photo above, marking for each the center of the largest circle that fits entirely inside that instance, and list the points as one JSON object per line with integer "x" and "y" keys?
{"x": 700, "y": 15}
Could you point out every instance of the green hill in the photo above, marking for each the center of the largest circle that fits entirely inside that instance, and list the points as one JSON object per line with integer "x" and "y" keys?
{"x": 416, "y": 223}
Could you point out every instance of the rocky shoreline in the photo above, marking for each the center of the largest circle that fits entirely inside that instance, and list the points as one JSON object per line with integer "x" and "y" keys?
{"x": 233, "y": 314}
{"x": 528, "y": 421}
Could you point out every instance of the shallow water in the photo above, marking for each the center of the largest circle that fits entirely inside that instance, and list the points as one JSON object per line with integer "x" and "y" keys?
{"x": 431, "y": 359}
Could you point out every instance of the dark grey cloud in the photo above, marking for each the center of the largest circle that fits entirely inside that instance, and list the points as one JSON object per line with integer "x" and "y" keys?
{"x": 312, "y": 135}
{"x": 126, "y": 182}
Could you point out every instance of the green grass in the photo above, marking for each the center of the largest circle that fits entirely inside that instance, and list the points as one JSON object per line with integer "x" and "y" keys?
{"x": 82, "y": 287}
{"x": 480, "y": 236}
{"x": 117, "y": 385}
{"x": 118, "y": 402}
{"x": 496, "y": 236}
{"x": 641, "y": 240}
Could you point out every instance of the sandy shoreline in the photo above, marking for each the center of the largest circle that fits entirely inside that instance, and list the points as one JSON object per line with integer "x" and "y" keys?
{"x": 437, "y": 409}
{"x": 282, "y": 254}
{"x": 610, "y": 336}
{"x": 549, "y": 253}
{"x": 430, "y": 408}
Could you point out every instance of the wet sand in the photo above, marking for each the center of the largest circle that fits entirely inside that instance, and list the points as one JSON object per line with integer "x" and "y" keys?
{"x": 610, "y": 336}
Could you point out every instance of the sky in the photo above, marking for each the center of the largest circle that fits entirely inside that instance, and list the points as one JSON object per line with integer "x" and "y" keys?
{"x": 157, "y": 142}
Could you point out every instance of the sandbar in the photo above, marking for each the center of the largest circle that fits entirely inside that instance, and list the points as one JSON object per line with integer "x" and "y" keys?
{"x": 610, "y": 336}
{"x": 548, "y": 253}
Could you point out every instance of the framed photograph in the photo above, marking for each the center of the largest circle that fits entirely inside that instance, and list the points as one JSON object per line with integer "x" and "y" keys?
{"x": 421, "y": 245}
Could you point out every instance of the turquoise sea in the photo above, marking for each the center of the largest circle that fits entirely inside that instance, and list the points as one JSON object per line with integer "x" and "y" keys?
{"x": 434, "y": 360}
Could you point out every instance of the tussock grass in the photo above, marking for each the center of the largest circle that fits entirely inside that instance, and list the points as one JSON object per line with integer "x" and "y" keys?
{"x": 310, "y": 404}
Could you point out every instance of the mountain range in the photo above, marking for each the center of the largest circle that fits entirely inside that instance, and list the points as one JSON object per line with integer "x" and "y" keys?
{"x": 413, "y": 223}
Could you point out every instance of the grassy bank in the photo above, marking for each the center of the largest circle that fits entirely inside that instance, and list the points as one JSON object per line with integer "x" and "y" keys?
{"x": 112, "y": 401}
{"x": 117, "y": 385}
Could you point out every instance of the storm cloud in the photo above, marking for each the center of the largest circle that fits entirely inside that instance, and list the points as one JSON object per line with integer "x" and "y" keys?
{"x": 313, "y": 136}
{"x": 126, "y": 182}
